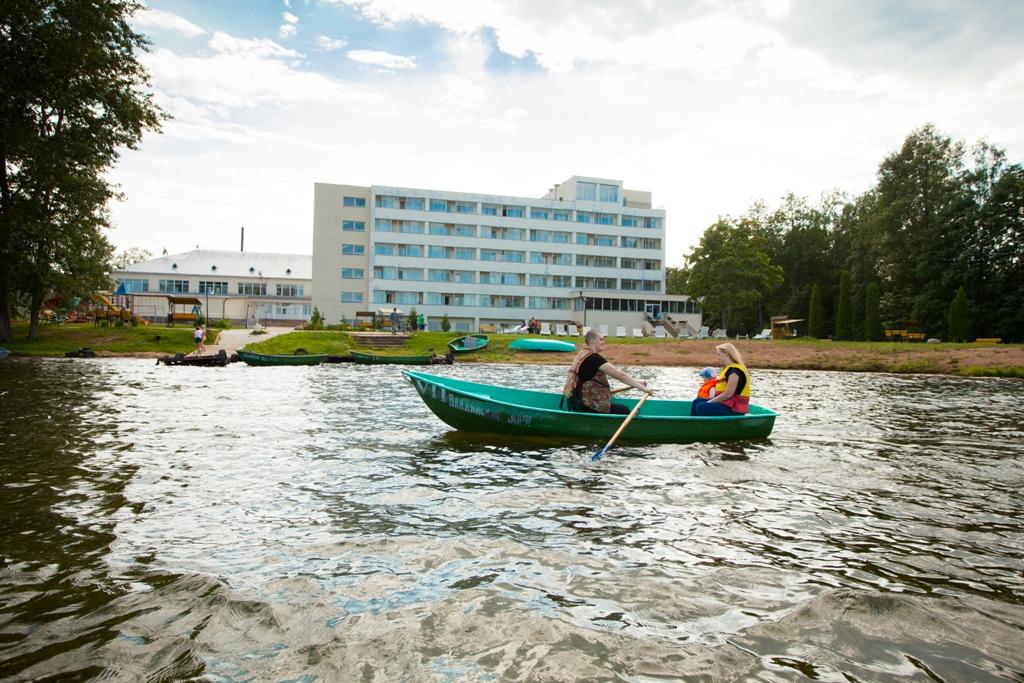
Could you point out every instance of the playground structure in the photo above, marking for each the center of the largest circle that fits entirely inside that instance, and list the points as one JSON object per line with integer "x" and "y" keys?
{"x": 97, "y": 308}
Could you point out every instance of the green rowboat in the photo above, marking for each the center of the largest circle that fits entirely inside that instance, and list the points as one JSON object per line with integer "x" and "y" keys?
{"x": 471, "y": 342}
{"x": 250, "y": 358}
{"x": 487, "y": 408}
{"x": 373, "y": 359}
{"x": 533, "y": 344}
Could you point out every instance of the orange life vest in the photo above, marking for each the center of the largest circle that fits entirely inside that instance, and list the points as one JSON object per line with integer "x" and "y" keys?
{"x": 705, "y": 389}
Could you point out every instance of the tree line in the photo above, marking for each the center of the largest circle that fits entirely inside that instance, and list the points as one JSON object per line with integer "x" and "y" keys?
{"x": 935, "y": 246}
{"x": 73, "y": 96}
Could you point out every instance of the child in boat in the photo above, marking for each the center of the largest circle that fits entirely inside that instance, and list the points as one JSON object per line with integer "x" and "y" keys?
{"x": 707, "y": 389}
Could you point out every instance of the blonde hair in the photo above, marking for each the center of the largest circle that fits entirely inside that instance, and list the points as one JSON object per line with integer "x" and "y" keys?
{"x": 730, "y": 350}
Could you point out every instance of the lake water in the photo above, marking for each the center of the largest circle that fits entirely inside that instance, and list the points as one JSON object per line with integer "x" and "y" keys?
{"x": 243, "y": 524}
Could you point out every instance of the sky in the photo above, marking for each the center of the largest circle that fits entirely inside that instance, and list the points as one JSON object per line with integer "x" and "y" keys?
{"x": 710, "y": 105}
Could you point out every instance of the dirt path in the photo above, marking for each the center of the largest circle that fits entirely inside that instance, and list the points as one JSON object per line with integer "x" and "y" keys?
{"x": 232, "y": 340}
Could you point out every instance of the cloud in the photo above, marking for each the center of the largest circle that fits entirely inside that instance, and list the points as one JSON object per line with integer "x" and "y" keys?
{"x": 385, "y": 60}
{"x": 249, "y": 47}
{"x": 325, "y": 44}
{"x": 155, "y": 18}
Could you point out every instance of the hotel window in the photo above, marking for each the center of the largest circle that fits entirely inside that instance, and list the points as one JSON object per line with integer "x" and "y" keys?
{"x": 438, "y": 205}
{"x": 357, "y": 201}
{"x": 630, "y": 264}
{"x": 351, "y": 297}
{"x": 490, "y": 209}
{"x": 436, "y": 251}
{"x": 512, "y": 279}
{"x": 538, "y": 281}
{"x": 413, "y": 250}
{"x": 213, "y": 287}
{"x": 467, "y": 277}
{"x": 252, "y": 288}
{"x": 560, "y": 215}
{"x": 353, "y": 226}
{"x": 411, "y": 227}
{"x": 542, "y": 214}
{"x": 630, "y": 221}
{"x": 353, "y": 249}
{"x": 561, "y": 281}
{"x": 605, "y": 219}
{"x": 512, "y": 211}
{"x": 650, "y": 243}
{"x": 411, "y": 203}
{"x": 439, "y": 275}
{"x": 439, "y": 229}
{"x": 465, "y": 253}
{"x": 488, "y": 255}
{"x": 609, "y": 193}
{"x": 290, "y": 290}
{"x": 604, "y": 241}
{"x": 352, "y": 273}
{"x": 488, "y": 278}
{"x": 384, "y": 249}
{"x": 134, "y": 286}
{"x": 411, "y": 298}
{"x": 652, "y": 285}
{"x": 385, "y": 201}
{"x": 586, "y": 191}
{"x": 465, "y": 207}
{"x": 465, "y": 231}
{"x": 584, "y": 217}
{"x": 540, "y": 235}
{"x": 174, "y": 286}
{"x": 629, "y": 243}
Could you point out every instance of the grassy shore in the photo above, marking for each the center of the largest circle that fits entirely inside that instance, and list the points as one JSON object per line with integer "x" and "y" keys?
{"x": 1002, "y": 360}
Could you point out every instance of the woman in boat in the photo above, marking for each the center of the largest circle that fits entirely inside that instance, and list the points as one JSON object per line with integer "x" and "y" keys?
{"x": 732, "y": 392}
{"x": 586, "y": 386}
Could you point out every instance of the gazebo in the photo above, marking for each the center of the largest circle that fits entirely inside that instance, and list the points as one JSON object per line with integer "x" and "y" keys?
{"x": 184, "y": 314}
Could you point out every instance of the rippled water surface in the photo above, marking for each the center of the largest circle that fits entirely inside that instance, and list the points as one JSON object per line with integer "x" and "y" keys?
{"x": 320, "y": 523}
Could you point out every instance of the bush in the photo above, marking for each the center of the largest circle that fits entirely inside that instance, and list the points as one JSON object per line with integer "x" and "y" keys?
{"x": 445, "y": 323}
{"x": 316, "y": 321}
{"x": 220, "y": 325}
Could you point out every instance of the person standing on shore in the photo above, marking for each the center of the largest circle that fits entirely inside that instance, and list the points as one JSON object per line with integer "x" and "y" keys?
{"x": 732, "y": 392}
{"x": 197, "y": 337}
{"x": 394, "y": 320}
{"x": 586, "y": 385}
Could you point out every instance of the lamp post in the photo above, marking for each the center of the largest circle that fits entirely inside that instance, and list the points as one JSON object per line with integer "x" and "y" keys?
{"x": 583, "y": 305}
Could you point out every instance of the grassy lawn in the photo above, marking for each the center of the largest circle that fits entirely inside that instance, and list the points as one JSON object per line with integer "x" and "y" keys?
{"x": 331, "y": 343}
{"x": 54, "y": 340}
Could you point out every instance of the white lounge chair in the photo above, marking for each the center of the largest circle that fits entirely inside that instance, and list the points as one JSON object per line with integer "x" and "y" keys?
{"x": 763, "y": 334}
{"x": 603, "y": 329}
{"x": 659, "y": 332}
{"x": 637, "y": 332}
{"x": 545, "y": 328}
{"x": 702, "y": 333}
{"x": 620, "y": 331}
{"x": 586, "y": 329}
{"x": 720, "y": 333}
{"x": 573, "y": 331}
{"x": 560, "y": 330}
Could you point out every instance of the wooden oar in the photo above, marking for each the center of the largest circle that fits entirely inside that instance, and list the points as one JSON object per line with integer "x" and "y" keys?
{"x": 625, "y": 423}
{"x": 615, "y": 391}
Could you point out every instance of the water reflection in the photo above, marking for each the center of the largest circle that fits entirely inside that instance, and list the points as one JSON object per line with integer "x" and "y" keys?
{"x": 272, "y": 523}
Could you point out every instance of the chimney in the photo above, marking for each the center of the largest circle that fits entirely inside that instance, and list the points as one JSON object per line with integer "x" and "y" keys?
{"x": 242, "y": 248}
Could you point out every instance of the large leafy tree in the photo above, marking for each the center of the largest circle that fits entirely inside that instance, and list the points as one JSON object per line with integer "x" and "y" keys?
{"x": 72, "y": 96}
{"x": 924, "y": 213}
{"x": 729, "y": 272}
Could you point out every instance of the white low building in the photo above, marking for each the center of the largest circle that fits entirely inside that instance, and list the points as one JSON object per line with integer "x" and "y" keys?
{"x": 589, "y": 252}
{"x": 244, "y": 287}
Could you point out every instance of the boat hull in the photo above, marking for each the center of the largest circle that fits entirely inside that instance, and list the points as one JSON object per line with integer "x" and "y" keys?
{"x": 372, "y": 359}
{"x": 473, "y": 407}
{"x": 459, "y": 345}
{"x": 266, "y": 359}
{"x": 532, "y": 344}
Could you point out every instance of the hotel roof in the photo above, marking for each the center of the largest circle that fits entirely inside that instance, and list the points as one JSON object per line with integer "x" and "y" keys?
{"x": 239, "y": 264}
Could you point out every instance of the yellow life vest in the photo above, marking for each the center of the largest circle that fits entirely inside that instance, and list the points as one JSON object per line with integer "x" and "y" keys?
{"x": 740, "y": 401}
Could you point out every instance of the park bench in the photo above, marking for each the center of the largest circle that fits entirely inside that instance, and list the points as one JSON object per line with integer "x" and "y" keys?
{"x": 988, "y": 340}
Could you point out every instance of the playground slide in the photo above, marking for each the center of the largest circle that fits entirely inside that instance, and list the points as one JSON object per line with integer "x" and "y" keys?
{"x": 101, "y": 298}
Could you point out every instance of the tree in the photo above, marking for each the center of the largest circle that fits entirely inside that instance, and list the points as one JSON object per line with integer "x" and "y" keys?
{"x": 412, "y": 319}
{"x": 446, "y": 324}
{"x": 872, "y": 324}
{"x": 316, "y": 320}
{"x": 729, "y": 272}
{"x": 675, "y": 280}
{"x": 72, "y": 95}
{"x": 130, "y": 256}
{"x": 815, "y": 313}
{"x": 958, "y": 316}
{"x": 844, "y": 312}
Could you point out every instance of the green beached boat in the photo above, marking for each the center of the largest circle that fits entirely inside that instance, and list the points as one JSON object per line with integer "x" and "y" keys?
{"x": 471, "y": 342}
{"x": 262, "y": 359}
{"x": 373, "y": 359}
{"x": 534, "y": 344}
{"x": 487, "y": 408}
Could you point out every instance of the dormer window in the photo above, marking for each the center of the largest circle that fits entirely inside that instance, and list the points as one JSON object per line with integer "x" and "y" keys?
{"x": 174, "y": 266}
{"x": 289, "y": 271}
{"x": 251, "y": 269}
{"x": 213, "y": 268}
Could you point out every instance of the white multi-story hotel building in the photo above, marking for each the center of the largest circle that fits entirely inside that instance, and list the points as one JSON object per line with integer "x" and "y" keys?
{"x": 589, "y": 251}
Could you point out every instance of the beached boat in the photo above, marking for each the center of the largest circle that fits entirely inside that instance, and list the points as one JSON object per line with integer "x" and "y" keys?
{"x": 250, "y": 358}
{"x": 219, "y": 359}
{"x": 488, "y": 408}
{"x": 374, "y": 359}
{"x": 534, "y": 344}
{"x": 471, "y": 342}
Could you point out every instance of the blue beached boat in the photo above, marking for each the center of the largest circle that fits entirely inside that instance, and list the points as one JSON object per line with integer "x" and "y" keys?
{"x": 534, "y": 344}
{"x": 492, "y": 409}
